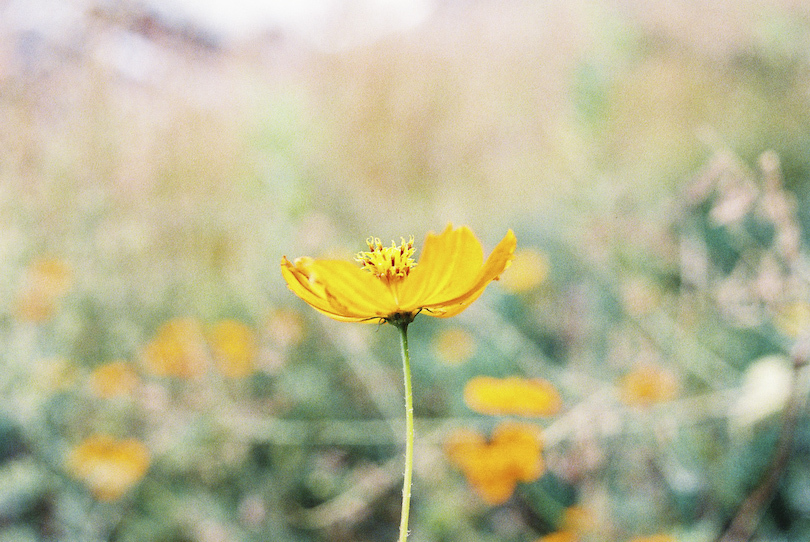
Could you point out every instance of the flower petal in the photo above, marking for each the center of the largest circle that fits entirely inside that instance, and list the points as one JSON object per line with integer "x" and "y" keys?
{"x": 312, "y": 292}
{"x": 496, "y": 263}
{"x": 449, "y": 263}
{"x": 338, "y": 289}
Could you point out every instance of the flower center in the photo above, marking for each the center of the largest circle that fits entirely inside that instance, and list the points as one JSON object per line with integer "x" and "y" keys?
{"x": 390, "y": 264}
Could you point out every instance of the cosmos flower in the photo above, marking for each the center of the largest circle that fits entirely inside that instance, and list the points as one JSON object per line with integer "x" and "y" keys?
{"x": 114, "y": 379}
{"x": 576, "y": 524}
{"x": 647, "y": 385}
{"x": 108, "y": 466}
{"x": 234, "y": 347}
{"x": 560, "y": 536}
{"x": 177, "y": 350}
{"x": 495, "y": 467}
{"x": 47, "y": 280}
{"x": 390, "y": 286}
{"x": 512, "y": 396}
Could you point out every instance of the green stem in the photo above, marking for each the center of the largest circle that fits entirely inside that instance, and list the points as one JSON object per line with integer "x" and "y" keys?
{"x": 406, "y": 488}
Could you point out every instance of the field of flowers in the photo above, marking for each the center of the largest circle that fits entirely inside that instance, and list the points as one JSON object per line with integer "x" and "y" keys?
{"x": 638, "y": 374}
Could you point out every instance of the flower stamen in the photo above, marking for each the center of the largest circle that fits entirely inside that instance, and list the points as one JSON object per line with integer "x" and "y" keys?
{"x": 390, "y": 264}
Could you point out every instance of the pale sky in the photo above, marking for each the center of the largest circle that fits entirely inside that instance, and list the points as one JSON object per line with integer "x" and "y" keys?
{"x": 315, "y": 20}
{"x": 324, "y": 23}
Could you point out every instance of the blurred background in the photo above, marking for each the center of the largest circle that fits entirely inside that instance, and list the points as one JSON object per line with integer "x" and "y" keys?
{"x": 636, "y": 375}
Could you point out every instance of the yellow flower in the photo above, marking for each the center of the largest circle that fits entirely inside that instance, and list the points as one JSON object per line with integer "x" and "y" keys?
{"x": 116, "y": 378}
{"x": 514, "y": 454}
{"x": 234, "y": 347}
{"x": 647, "y": 385}
{"x": 390, "y": 286}
{"x": 178, "y": 350}
{"x": 47, "y": 281}
{"x": 793, "y": 319}
{"x": 512, "y": 395}
{"x": 576, "y": 521}
{"x": 529, "y": 270}
{"x": 559, "y": 536}
{"x": 454, "y": 345}
{"x": 654, "y": 538}
{"x": 109, "y": 467}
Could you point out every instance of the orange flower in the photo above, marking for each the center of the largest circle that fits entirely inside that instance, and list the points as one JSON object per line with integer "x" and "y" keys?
{"x": 178, "y": 349}
{"x": 390, "y": 286}
{"x": 234, "y": 348}
{"x": 109, "y": 467}
{"x": 116, "y": 378}
{"x": 512, "y": 395}
{"x": 647, "y": 385}
{"x": 514, "y": 454}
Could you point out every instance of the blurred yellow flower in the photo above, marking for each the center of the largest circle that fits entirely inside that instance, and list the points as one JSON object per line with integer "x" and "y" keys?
{"x": 646, "y": 385}
{"x": 454, "y": 345}
{"x": 572, "y": 536}
{"x": 575, "y": 522}
{"x": 114, "y": 379}
{"x": 234, "y": 348}
{"x": 108, "y": 466}
{"x": 529, "y": 270}
{"x": 47, "y": 280}
{"x": 560, "y": 536}
{"x": 177, "y": 350}
{"x": 494, "y": 468}
{"x": 579, "y": 519}
{"x": 512, "y": 396}
{"x": 793, "y": 319}
{"x": 390, "y": 286}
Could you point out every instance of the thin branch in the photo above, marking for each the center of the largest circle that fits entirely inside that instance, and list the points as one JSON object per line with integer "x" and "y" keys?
{"x": 745, "y": 522}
